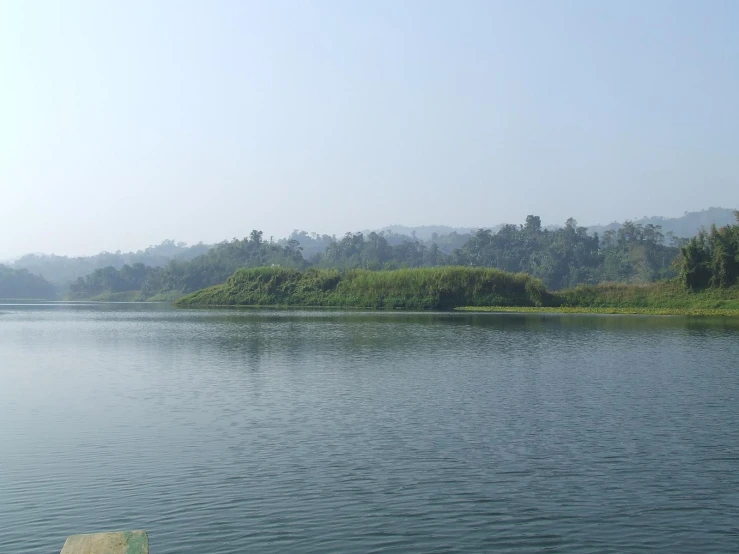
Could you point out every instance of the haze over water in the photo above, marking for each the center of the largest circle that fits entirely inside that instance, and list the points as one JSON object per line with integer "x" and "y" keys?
{"x": 281, "y": 431}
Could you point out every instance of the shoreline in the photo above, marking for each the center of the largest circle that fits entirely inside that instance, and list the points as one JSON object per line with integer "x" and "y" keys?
{"x": 604, "y": 310}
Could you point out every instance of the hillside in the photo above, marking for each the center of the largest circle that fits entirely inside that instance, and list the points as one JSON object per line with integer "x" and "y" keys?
{"x": 561, "y": 257}
{"x": 685, "y": 226}
{"x": 63, "y": 270}
{"x": 20, "y": 284}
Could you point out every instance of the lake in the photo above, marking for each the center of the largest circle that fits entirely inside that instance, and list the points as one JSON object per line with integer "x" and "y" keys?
{"x": 325, "y": 431}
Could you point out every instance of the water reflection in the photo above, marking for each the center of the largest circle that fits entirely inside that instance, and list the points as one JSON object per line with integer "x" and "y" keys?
{"x": 319, "y": 431}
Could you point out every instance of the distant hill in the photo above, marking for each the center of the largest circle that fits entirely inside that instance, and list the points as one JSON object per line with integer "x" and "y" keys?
{"x": 423, "y": 232}
{"x": 60, "y": 271}
{"x": 314, "y": 248}
{"x": 19, "y": 283}
{"x": 685, "y": 227}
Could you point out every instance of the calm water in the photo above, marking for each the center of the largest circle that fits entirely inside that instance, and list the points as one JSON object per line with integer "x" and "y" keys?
{"x": 255, "y": 431}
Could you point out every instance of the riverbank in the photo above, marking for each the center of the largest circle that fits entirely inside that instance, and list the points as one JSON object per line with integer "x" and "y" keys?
{"x": 661, "y": 298}
{"x": 667, "y": 297}
{"x": 129, "y": 296}
{"x": 719, "y": 312}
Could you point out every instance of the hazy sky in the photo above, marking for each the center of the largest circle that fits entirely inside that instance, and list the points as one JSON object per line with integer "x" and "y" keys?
{"x": 125, "y": 123}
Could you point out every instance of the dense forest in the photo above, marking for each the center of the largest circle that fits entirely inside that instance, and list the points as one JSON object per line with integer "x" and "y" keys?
{"x": 182, "y": 276}
{"x": 562, "y": 257}
{"x": 110, "y": 281}
{"x": 711, "y": 258}
{"x": 61, "y": 271}
{"x": 20, "y": 283}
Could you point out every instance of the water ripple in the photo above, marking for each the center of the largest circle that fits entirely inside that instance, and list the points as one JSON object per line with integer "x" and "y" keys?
{"x": 306, "y": 431}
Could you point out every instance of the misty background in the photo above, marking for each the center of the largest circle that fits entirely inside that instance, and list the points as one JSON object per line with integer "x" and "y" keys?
{"x": 124, "y": 124}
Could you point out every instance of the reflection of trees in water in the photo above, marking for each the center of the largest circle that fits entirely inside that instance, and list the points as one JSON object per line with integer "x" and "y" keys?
{"x": 250, "y": 338}
{"x": 365, "y": 333}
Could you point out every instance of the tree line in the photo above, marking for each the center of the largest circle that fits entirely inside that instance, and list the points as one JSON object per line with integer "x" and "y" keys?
{"x": 561, "y": 258}
{"x": 60, "y": 271}
{"x": 183, "y": 275}
{"x": 711, "y": 258}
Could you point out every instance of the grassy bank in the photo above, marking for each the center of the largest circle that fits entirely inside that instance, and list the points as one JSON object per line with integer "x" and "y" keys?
{"x": 605, "y": 310}
{"x": 417, "y": 289}
{"x": 665, "y": 295}
{"x": 454, "y": 288}
{"x": 663, "y": 298}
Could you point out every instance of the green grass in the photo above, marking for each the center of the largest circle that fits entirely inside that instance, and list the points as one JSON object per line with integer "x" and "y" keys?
{"x": 419, "y": 289}
{"x": 445, "y": 288}
{"x": 665, "y": 295}
{"x": 604, "y": 310}
{"x": 662, "y": 298}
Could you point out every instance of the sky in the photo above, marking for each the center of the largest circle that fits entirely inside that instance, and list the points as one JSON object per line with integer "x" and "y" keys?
{"x": 125, "y": 123}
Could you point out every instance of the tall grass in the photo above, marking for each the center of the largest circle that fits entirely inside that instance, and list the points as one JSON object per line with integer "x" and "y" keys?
{"x": 667, "y": 295}
{"x": 444, "y": 288}
{"x": 423, "y": 288}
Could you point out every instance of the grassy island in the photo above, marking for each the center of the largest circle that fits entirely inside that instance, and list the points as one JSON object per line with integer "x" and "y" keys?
{"x": 707, "y": 284}
{"x": 448, "y": 288}
{"x": 436, "y": 273}
{"x": 438, "y": 288}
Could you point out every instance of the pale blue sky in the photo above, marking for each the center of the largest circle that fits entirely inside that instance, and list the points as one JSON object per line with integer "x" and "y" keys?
{"x": 124, "y": 123}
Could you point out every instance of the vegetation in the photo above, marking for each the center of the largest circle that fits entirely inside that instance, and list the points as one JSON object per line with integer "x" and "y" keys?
{"x": 221, "y": 261}
{"x": 662, "y": 298}
{"x": 61, "y": 271}
{"x": 711, "y": 259}
{"x": 425, "y": 288}
{"x": 561, "y": 258}
{"x": 20, "y": 284}
{"x": 181, "y": 276}
{"x": 722, "y": 312}
{"x": 455, "y": 288}
{"x": 629, "y": 270}
{"x": 111, "y": 284}
{"x": 685, "y": 226}
{"x": 570, "y": 256}
{"x": 667, "y": 295}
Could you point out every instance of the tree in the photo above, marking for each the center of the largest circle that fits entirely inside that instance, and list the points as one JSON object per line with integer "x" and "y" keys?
{"x": 256, "y": 237}
{"x": 533, "y": 224}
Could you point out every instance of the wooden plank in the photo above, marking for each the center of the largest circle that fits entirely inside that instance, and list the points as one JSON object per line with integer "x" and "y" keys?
{"x": 120, "y": 542}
